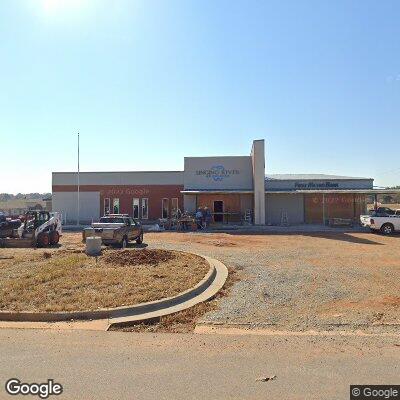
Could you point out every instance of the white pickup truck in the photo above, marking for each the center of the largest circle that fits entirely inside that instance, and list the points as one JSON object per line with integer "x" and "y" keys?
{"x": 382, "y": 221}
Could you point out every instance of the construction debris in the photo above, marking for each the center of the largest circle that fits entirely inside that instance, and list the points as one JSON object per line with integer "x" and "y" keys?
{"x": 138, "y": 257}
{"x": 266, "y": 378}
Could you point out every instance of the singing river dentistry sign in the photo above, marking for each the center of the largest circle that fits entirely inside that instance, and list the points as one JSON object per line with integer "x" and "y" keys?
{"x": 217, "y": 172}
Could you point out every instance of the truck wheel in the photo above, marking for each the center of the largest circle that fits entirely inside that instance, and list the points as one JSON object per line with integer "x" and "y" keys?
{"x": 139, "y": 240}
{"x": 43, "y": 240}
{"x": 387, "y": 229}
{"x": 124, "y": 242}
{"x": 54, "y": 237}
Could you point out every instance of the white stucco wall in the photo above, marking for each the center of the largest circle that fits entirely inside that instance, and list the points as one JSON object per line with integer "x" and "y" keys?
{"x": 292, "y": 204}
{"x": 67, "y": 204}
{"x": 218, "y": 173}
{"x": 119, "y": 178}
{"x": 258, "y": 163}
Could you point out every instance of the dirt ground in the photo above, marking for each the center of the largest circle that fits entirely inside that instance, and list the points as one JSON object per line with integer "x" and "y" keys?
{"x": 65, "y": 279}
{"x": 317, "y": 281}
{"x": 293, "y": 282}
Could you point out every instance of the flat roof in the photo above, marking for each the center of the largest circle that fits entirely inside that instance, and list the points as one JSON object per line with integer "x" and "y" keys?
{"x": 315, "y": 177}
{"x": 314, "y": 191}
{"x": 112, "y": 172}
{"x": 213, "y": 191}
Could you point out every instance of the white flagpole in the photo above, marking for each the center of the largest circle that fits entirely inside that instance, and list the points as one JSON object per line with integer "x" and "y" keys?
{"x": 78, "y": 219}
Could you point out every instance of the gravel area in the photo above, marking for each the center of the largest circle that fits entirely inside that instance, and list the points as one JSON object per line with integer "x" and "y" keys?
{"x": 311, "y": 281}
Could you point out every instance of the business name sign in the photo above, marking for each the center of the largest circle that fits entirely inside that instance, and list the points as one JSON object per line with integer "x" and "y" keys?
{"x": 316, "y": 185}
{"x": 125, "y": 191}
{"x": 217, "y": 173}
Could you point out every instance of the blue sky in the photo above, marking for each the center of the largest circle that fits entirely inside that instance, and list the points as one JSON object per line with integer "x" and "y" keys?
{"x": 149, "y": 82}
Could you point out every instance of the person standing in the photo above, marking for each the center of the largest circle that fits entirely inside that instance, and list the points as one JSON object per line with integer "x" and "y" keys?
{"x": 207, "y": 217}
{"x": 199, "y": 218}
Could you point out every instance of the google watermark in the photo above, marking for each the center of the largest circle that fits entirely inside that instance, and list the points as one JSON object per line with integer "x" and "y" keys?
{"x": 374, "y": 392}
{"x": 44, "y": 390}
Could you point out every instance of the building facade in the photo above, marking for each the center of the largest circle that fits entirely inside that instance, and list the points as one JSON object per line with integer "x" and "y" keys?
{"x": 234, "y": 188}
{"x": 147, "y": 196}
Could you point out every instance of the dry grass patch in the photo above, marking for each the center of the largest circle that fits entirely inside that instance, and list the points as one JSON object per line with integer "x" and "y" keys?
{"x": 186, "y": 320}
{"x": 68, "y": 282}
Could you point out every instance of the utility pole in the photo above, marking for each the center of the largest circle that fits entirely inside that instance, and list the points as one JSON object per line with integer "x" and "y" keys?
{"x": 78, "y": 219}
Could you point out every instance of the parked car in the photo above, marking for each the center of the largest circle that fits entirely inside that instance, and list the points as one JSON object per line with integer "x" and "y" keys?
{"x": 115, "y": 229}
{"x": 387, "y": 224}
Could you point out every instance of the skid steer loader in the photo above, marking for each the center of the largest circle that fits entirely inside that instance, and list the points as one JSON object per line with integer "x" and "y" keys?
{"x": 39, "y": 229}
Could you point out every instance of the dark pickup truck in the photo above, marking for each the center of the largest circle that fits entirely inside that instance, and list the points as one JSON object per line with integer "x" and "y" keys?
{"x": 115, "y": 229}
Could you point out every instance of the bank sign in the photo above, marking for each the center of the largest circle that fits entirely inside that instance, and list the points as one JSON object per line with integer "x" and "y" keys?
{"x": 217, "y": 173}
{"x": 316, "y": 185}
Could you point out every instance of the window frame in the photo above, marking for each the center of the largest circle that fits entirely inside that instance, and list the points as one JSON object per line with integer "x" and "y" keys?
{"x": 147, "y": 208}
{"x": 104, "y": 205}
{"x": 177, "y": 203}
{"x": 138, "y": 207}
{"x": 162, "y": 207}
{"x": 113, "y": 209}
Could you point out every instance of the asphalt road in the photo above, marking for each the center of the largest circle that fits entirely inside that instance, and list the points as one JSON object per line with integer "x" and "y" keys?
{"x": 117, "y": 365}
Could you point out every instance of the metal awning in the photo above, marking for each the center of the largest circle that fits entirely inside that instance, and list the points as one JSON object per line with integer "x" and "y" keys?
{"x": 200, "y": 191}
{"x": 302, "y": 191}
{"x": 336, "y": 191}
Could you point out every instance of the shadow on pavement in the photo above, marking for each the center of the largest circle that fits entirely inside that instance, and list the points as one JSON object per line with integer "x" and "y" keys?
{"x": 341, "y": 236}
{"x": 137, "y": 246}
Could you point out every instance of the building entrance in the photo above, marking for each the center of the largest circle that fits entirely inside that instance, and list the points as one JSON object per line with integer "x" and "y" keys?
{"x": 218, "y": 211}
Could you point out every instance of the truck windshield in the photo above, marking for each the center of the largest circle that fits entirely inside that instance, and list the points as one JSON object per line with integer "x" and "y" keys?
{"x": 110, "y": 220}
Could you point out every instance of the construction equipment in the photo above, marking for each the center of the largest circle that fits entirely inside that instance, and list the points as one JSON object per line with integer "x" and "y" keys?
{"x": 8, "y": 227}
{"x": 39, "y": 229}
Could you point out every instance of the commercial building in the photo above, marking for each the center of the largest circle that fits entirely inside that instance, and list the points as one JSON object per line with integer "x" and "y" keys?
{"x": 144, "y": 195}
{"x": 235, "y": 188}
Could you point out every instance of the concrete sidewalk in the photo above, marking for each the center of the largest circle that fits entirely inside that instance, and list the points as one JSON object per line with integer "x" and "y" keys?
{"x": 116, "y": 365}
{"x": 302, "y": 228}
{"x": 250, "y": 229}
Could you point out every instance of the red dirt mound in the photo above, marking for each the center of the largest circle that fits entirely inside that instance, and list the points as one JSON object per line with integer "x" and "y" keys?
{"x": 138, "y": 257}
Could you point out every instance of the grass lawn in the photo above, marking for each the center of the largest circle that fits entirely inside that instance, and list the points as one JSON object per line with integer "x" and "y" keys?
{"x": 38, "y": 280}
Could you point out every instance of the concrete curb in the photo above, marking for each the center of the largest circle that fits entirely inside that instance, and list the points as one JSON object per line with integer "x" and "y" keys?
{"x": 131, "y": 312}
{"x": 220, "y": 276}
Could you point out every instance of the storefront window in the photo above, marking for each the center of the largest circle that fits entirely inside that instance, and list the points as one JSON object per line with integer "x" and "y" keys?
{"x": 145, "y": 208}
{"x": 174, "y": 204}
{"x": 165, "y": 208}
{"x": 107, "y": 205}
{"x": 115, "y": 206}
{"x": 135, "y": 204}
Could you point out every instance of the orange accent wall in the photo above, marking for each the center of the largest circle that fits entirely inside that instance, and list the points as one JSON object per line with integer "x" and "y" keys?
{"x": 232, "y": 203}
{"x": 341, "y": 205}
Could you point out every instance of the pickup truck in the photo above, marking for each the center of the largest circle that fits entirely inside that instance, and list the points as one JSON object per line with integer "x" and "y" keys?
{"x": 115, "y": 229}
{"x": 379, "y": 221}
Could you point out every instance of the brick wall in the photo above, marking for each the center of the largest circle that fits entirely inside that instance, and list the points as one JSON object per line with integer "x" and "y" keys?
{"x": 126, "y": 193}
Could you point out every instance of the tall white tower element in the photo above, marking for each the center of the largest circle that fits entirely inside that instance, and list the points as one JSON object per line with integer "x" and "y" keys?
{"x": 258, "y": 160}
